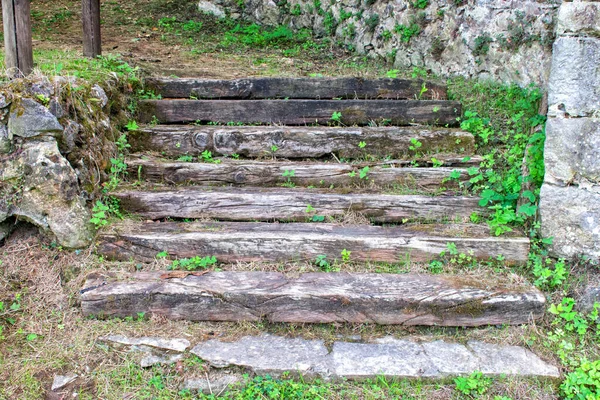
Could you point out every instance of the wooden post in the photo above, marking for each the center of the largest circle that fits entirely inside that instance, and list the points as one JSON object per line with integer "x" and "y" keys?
{"x": 17, "y": 37}
{"x": 92, "y": 45}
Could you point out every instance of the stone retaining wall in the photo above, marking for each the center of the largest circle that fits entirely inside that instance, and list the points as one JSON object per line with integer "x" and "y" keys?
{"x": 506, "y": 40}
{"x": 570, "y": 197}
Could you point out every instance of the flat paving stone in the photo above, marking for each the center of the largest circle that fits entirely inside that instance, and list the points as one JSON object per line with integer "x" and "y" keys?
{"x": 178, "y": 345}
{"x": 266, "y": 354}
{"x": 389, "y": 357}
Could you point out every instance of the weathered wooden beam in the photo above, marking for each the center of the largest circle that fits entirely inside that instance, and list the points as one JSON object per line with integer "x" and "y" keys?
{"x": 386, "y": 299}
{"x": 92, "y": 40}
{"x": 281, "y": 204}
{"x": 274, "y": 242}
{"x": 18, "y": 45}
{"x": 300, "y": 142}
{"x": 271, "y": 173}
{"x": 301, "y": 112}
{"x": 298, "y": 88}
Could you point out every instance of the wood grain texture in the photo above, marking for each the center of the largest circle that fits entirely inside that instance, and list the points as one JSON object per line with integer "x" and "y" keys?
{"x": 18, "y": 40}
{"x": 90, "y": 16}
{"x": 301, "y": 112}
{"x": 281, "y": 204}
{"x": 297, "y": 88}
{"x": 275, "y": 242}
{"x": 386, "y": 299}
{"x": 299, "y": 142}
{"x": 270, "y": 173}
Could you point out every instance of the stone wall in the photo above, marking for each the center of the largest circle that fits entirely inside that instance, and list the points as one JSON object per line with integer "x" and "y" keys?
{"x": 506, "y": 40}
{"x": 56, "y": 141}
{"x": 570, "y": 196}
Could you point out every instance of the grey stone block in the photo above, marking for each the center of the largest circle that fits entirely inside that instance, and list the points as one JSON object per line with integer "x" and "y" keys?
{"x": 575, "y": 76}
{"x": 179, "y": 345}
{"x": 571, "y": 215}
{"x": 266, "y": 354}
{"x": 572, "y": 150}
{"x": 579, "y": 18}
{"x": 28, "y": 118}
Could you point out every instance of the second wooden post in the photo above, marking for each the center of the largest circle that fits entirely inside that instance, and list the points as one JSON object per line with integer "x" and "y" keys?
{"x": 92, "y": 46}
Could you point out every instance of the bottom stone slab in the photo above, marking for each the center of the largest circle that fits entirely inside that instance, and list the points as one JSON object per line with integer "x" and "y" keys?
{"x": 389, "y": 357}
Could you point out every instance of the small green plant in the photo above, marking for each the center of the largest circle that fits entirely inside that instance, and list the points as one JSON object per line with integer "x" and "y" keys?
{"x": 473, "y": 385}
{"x": 364, "y": 172}
{"x": 336, "y": 117}
{"x": 274, "y": 149}
{"x": 194, "y": 263}
{"x": 436, "y": 267}
{"x": 584, "y": 382}
{"x": 99, "y": 214}
{"x": 346, "y": 255}
{"x": 421, "y": 4}
{"x": 362, "y": 145}
{"x": 415, "y": 144}
{"x": 407, "y": 32}
{"x": 436, "y": 163}
{"x": 186, "y": 158}
{"x": 322, "y": 263}
{"x": 393, "y": 73}
{"x": 207, "y": 157}
{"x": 482, "y": 45}
{"x": 289, "y": 174}
{"x": 132, "y": 126}
{"x": 161, "y": 255}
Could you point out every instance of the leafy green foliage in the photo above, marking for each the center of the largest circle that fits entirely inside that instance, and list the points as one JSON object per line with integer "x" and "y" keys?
{"x": 346, "y": 255}
{"x": 422, "y": 4}
{"x": 194, "y": 263}
{"x": 573, "y": 331}
{"x": 502, "y": 118}
{"x": 322, "y": 263}
{"x": 474, "y": 384}
{"x": 407, "y": 32}
{"x": 207, "y": 157}
{"x": 99, "y": 215}
{"x": 482, "y": 45}
{"x": 583, "y": 383}
{"x": 336, "y": 117}
{"x": 269, "y": 388}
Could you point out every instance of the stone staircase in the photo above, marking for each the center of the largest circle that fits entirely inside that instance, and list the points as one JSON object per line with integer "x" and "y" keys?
{"x": 252, "y": 170}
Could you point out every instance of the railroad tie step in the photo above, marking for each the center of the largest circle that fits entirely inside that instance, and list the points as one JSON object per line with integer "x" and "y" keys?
{"x": 273, "y": 173}
{"x": 298, "y": 88}
{"x": 301, "y": 142}
{"x": 301, "y": 112}
{"x": 386, "y": 299}
{"x": 278, "y": 242}
{"x": 291, "y": 205}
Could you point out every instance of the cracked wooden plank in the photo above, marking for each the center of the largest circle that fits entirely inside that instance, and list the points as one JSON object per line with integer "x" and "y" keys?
{"x": 271, "y": 173}
{"x": 297, "y": 88}
{"x": 386, "y": 299}
{"x": 281, "y": 204}
{"x": 301, "y": 112}
{"x": 275, "y": 242}
{"x": 300, "y": 142}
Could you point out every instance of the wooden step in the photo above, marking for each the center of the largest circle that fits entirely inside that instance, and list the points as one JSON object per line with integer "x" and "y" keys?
{"x": 276, "y": 242}
{"x": 282, "y": 204}
{"x": 271, "y": 173}
{"x": 297, "y": 88}
{"x": 301, "y": 112}
{"x": 300, "y": 142}
{"x": 407, "y": 299}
